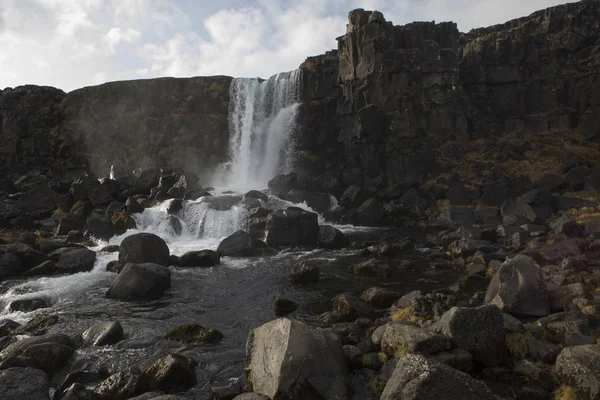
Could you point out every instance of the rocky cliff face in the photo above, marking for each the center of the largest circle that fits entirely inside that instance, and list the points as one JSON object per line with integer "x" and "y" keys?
{"x": 404, "y": 91}
{"x": 539, "y": 73}
{"x": 167, "y": 122}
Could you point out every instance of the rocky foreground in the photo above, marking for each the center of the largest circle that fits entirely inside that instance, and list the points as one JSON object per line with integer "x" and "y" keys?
{"x": 522, "y": 322}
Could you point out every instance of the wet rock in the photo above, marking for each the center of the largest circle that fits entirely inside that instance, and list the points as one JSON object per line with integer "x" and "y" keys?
{"x": 103, "y": 334}
{"x": 320, "y": 202}
{"x": 191, "y": 333}
{"x": 332, "y": 238}
{"x": 24, "y": 383}
{"x": 104, "y": 227}
{"x": 202, "y": 258}
{"x": 77, "y": 260}
{"x": 7, "y": 326}
{"x": 50, "y": 245}
{"x": 518, "y": 288}
{"x": 479, "y": 330}
{"x": 459, "y": 359}
{"x": 28, "y": 255}
{"x": 175, "y": 206}
{"x": 171, "y": 372}
{"x": 578, "y": 367}
{"x": 226, "y": 392}
{"x": 353, "y": 197}
{"x": 418, "y": 378}
{"x": 145, "y": 281}
{"x": 282, "y": 184}
{"x": 255, "y": 194}
{"x": 77, "y": 392}
{"x": 238, "y": 244}
{"x": 133, "y": 206}
{"x": 370, "y": 213}
{"x": 304, "y": 272}
{"x": 352, "y": 307}
{"x": 400, "y": 338}
{"x": 288, "y": 359}
{"x": 114, "y": 266}
{"x": 144, "y": 248}
{"x": 292, "y": 226}
{"x": 38, "y": 325}
{"x": 28, "y": 305}
{"x": 284, "y": 306}
{"x": 380, "y": 297}
{"x": 10, "y": 266}
{"x": 371, "y": 267}
{"x": 48, "y": 353}
{"x": 75, "y": 237}
{"x": 123, "y": 385}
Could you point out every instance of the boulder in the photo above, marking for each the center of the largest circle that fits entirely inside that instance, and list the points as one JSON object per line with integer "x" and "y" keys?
{"x": 238, "y": 244}
{"x": 304, "y": 272}
{"x": 400, "y": 338}
{"x": 251, "y": 396}
{"x": 351, "y": 307}
{"x": 145, "y": 281}
{"x": 418, "y": 378}
{"x": 578, "y": 367}
{"x": 48, "y": 353}
{"x": 45, "y": 268}
{"x": 353, "y": 196}
{"x": 10, "y": 266}
{"x": 319, "y": 202}
{"x": 459, "y": 359}
{"x": 171, "y": 372}
{"x": 370, "y": 213}
{"x": 77, "y": 260}
{"x": 518, "y": 288}
{"x": 371, "y": 267}
{"x": 282, "y": 184}
{"x": 7, "y": 326}
{"x": 202, "y": 258}
{"x": 513, "y": 211}
{"x": 144, "y": 248}
{"x": 566, "y": 225}
{"x": 380, "y": 297}
{"x": 479, "y": 330}
{"x": 289, "y": 359}
{"x": 102, "y": 334}
{"x": 24, "y": 383}
{"x": 283, "y": 306}
{"x": 123, "y": 385}
{"x": 28, "y": 305}
{"x": 191, "y": 333}
{"x": 293, "y": 226}
{"x": 332, "y": 238}
{"x": 255, "y": 194}
{"x": 28, "y": 255}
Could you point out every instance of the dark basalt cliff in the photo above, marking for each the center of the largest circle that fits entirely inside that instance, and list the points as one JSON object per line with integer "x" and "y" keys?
{"x": 164, "y": 122}
{"x": 404, "y": 91}
{"x": 378, "y": 112}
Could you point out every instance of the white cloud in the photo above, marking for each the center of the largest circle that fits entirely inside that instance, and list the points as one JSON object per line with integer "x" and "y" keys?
{"x": 74, "y": 43}
{"x": 117, "y": 35}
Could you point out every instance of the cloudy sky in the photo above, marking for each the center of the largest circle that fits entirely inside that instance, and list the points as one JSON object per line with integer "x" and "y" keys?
{"x": 74, "y": 43}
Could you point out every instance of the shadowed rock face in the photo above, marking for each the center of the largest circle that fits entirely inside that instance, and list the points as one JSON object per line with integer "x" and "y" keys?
{"x": 165, "y": 122}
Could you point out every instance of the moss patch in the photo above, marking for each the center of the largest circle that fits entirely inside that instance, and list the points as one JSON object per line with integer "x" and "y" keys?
{"x": 190, "y": 333}
{"x": 401, "y": 352}
{"x": 38, "y": 325}
{"x": 517, "y": 344}
{"x": 377, "y": 385}
{"x": 407, "y": 314}
{"x": 565, "y": 392}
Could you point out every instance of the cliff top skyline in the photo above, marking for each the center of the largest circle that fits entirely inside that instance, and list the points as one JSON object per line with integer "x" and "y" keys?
{"x": 74, "y": 43}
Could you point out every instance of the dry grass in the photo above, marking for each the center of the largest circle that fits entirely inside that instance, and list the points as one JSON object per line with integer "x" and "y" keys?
{"x": 401, "y": 352}
{"x": 8, "y": 237}
{"x": 407, "y": 314}
{"x": 549, "y": 153}
{"x": 517, "y": 344}
{"x": 489, "y": 272}
{"x": 565, "y": 392}
{"x": 585, "y": 214}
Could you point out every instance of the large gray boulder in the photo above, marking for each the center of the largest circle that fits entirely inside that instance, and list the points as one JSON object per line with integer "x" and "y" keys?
{"x": 24, "y": 383}
{"x": 332, "y": 238}
{"x": 418, "y": 378}
{"x": 238, "y": 244}
{"x": 287, "y": 359}
{"x": 171, "y": 372}
{"x": 103, "y": 333}
{"x": 406, "y": 337}
{"x": 10, "y": 265}
{"x": 144, "y": 248}
{"x": 293, "y": 226}
{"x": 518, "y": 288}
{"x": 140, "y": 282}
{"x": 48, "y": 352}
{"x": 77, "y": 260}
{"x": 479, "y": 330}
{"x": 579, "y": 367}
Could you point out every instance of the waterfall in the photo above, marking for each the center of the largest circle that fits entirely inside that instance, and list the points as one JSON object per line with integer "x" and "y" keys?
{"x": 262, "y": 121}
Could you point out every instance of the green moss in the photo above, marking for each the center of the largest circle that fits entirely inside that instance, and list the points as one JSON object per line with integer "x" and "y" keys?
{"x": 190, "y": 333}
{"x": 377, "y": 385}
{"x": 38, "y": 325}
{"x": 516, "y": 342}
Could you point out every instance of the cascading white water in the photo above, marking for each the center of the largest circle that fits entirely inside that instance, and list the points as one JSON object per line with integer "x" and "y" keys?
{"x": 262, "y": 121}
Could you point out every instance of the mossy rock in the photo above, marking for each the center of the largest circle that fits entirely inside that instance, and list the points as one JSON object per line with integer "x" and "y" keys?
{"x": 190, "y": 333}
{"x": 38, "y": 325}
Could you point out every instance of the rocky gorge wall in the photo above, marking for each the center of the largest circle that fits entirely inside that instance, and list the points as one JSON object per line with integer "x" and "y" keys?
{"x": 166, "y": 122}
{"x": 378, "y": 112}
{"x": 405, "y": 91}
